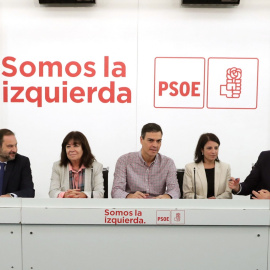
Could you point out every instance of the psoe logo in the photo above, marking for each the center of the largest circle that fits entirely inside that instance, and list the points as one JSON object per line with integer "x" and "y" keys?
{"x": 164, "y": 217}
{"x": 233, "y": 86}
{"x": 179, "y": 82}
{"x": 178, "y": 217}
{"x": 232, "y": 83}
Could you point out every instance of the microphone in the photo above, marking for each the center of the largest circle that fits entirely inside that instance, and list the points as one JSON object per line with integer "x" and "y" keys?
{"x": 195, "y": 194}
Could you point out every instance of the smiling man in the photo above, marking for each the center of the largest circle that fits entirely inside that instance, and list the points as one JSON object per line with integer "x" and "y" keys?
{"x": 15, "y": 171}
{"x": 146, "y": 174}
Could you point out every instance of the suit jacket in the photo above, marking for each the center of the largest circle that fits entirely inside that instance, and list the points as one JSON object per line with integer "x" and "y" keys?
{"x": 60, "y": 180}
{"x": 222, "y": 175}
{"x": 18, "y": 177}
{"x": 259, "y": 177}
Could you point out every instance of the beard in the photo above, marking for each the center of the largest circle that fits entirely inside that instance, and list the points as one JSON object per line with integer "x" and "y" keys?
{"x": 7, "y": 156}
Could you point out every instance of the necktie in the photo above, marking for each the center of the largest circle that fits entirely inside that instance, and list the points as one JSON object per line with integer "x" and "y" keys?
{"x": 2, "y": 171}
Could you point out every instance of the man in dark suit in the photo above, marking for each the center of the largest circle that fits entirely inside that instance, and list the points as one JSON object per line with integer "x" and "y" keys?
{"x": 15, "y": 171}
{"x": 258, "y": 181}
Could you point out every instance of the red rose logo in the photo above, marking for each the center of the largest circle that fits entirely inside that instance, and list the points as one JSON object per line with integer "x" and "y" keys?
{"x": 233, "y": 86}
{"x": 234, "y": 73}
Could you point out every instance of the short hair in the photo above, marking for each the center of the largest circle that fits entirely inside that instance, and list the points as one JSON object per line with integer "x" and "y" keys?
{"x": 150, "y": 127}
{"x": 206, "y": 137}
{"x": 4, "y": 132}
{"x": 87, "y": 158}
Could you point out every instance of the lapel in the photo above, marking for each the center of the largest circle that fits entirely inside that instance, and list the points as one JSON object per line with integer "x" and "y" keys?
{"x": 88, "y": 175}
{"x": 217, "y": 176}
{"x": 66, "y": 178}
{"x": 9, "y": 170}
{"x": 202, "y": 178}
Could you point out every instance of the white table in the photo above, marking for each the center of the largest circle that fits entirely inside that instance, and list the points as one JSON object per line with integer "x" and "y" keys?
{"x": 156, "y": 234}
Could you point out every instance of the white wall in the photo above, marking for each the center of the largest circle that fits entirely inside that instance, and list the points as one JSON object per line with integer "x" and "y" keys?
{"x": 134, "y": 32}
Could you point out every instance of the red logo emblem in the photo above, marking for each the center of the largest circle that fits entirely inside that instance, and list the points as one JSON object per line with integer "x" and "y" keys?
{"x": 233, "y": 86}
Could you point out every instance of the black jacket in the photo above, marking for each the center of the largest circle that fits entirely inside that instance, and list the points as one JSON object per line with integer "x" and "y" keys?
{"x": 18, "y": 177}
{"x": 259, "y": 177}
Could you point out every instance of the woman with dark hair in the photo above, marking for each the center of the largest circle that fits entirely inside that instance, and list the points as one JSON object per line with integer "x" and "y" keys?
{"x": 211, "y": 175}
{"x": 77, "y": 174}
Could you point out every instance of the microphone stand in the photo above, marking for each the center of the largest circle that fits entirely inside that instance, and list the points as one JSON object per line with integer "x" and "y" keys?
{"x": 195, "y": 193}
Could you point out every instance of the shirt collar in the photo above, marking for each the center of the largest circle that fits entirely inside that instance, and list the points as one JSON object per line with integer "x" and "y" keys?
{"x": 144, "y": 162}
{"x": 71, "y": 169}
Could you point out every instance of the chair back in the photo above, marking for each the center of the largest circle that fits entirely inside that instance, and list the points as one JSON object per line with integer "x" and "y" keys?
{"x": 180, "y": 177}
{"x": 105, "y": 173}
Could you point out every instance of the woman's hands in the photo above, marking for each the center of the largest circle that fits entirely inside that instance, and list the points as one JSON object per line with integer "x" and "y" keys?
{"x": 74, "y": 193}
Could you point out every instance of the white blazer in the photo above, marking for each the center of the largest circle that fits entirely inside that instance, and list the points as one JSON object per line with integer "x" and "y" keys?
{"x": 60, "y": 180}
{"x": 222, "y": 176}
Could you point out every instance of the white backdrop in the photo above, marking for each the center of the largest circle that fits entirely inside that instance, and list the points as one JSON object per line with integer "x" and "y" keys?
{"x": 134, "y": 32}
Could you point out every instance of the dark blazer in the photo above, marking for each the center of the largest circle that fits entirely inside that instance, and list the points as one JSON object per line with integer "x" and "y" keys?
{"x": 259, "y": 177}
{"x": 18, "y": 177}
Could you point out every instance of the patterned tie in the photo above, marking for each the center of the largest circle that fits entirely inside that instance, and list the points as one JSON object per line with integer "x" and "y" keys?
{"x": 2, "y": 171}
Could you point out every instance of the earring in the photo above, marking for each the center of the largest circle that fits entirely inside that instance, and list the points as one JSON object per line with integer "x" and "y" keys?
{"x": 202, "y": 153}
